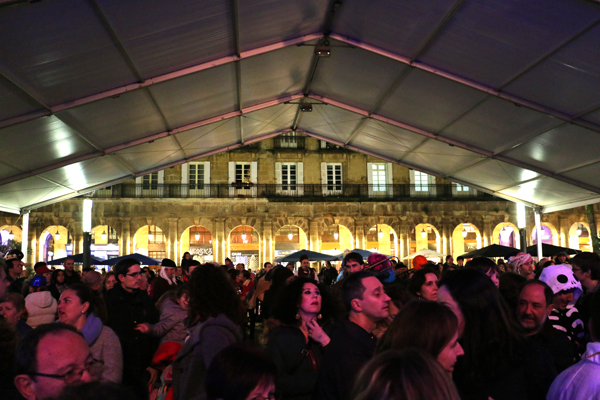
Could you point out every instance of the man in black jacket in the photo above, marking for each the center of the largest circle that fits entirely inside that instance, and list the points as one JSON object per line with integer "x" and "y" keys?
{"x": 352, "y": 343}
{"x": 127, "y": 307}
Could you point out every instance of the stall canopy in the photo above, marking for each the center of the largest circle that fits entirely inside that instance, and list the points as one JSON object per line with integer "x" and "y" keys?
{"x": 499, "y": 95}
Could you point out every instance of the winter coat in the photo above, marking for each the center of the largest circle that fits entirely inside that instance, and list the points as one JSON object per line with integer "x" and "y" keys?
{"x": 171, "y": 327}
{"x": 41, "y": 307}
{"x": 125, "y": 311}
{"x": 206, "y": 340}
{"x": 160, "y": 286}
{"x": 104, "y": 345}
{"x": 297, "y": 362}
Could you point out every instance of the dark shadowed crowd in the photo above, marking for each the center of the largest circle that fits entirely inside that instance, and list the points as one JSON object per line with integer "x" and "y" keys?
{"x": 375, "y": 330}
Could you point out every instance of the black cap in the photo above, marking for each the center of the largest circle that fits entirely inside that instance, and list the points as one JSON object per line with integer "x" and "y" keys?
{"x": 168, "y": 263}
{"x": 14, "y": 255}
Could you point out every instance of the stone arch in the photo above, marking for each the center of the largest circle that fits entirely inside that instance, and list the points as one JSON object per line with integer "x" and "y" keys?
{"x": 462, "y": 244}
{"x": 382, "y": 238}
{"x": 301, "y": 223}
{"x": 432, "y": 239}
{"x": 506, "y": 234}
{"x": 583, "y": 241}
{"x": 52, "y": 247}
{"x": 328, "y": 243}
{"x": 549, "y": 234}
{"x": 282, "y": 243}
{"x": 150, "y": 240}
{"x": 105, "y": 240}
{"x": 5, "y": 232}
{"x": 244, "y": 242}
{"x": 199, "y": 241}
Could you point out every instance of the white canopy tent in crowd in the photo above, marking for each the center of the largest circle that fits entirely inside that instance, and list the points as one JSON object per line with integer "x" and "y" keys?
{"x": 500, "y": 95}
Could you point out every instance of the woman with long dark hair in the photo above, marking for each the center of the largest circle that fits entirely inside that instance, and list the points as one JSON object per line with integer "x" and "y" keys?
{"x": 296, "y": 346}
{"x": 424, "y": 284}
{"x": 497, "y": 363}
{"x": 216, "y": 318}
{"x": 428, "y": 326}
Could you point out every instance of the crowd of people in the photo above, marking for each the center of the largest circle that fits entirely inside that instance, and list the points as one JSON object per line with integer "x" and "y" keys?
{"x": 478, "y": 329}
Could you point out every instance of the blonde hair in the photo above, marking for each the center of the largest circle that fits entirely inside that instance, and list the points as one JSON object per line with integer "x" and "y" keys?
{"x": 410, "y": 374}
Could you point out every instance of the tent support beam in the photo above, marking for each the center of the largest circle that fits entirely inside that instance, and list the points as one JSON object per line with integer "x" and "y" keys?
{"x": 538, "y": 233}
{"x": 458, "y": 79}
{"x": 456, "y": 143}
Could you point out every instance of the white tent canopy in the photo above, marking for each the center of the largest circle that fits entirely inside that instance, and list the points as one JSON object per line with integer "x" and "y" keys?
{"x": 499, "y": 95}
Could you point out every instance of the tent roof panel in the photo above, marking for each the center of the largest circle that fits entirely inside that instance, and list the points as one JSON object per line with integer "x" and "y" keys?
{"x": 55, "y": 58}
{"x": 429, "y": 101}
{"x": 151, "y": 155}
{"x": 491, "y": 41}
{"x": 355, "y": 76}
{"x": 171, "y": 35}
{"x": 198, "y": 96}
{"x": 108, "y": 121}
{"x": 440, "y": 157}
{"x": 330, "y": 121}
{"x": 546, "y": 191}
{"x": 268, "y": 120}
{"x": 504, "y": 124}
{"x": 88, "y": 173}
{"x": 29, "y": 191}
{"x": 399, "y": 26}
{"x": 495, "y": 175}
{"x": 14, "y": 101}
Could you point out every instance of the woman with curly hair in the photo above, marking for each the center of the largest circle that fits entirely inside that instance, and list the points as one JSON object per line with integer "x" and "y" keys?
{"x": 216, "y": 317}
{"x": 296, "y": 347}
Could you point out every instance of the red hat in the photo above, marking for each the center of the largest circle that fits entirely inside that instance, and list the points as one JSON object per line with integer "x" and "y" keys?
{"x": 418, "y": 262}
{"x": 42, "y": 269}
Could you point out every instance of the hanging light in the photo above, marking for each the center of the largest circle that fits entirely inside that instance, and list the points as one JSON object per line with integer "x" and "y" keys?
{"x": 11, "y": 235}
{"x": 464, "y": 232}
{"x": 423, "y": 233}
{"x": 336, "y": 235}
{"x": 104, "y": 236}
{"x": 150, "y": 235}
{"x": 57, "y": 235}
{"x": 210, "y": 241}
{"x": 244, "y": 235}
{"x": 197, "y": 236}
{"x": 290, "y": 236}
{"x": 578, "y": 231}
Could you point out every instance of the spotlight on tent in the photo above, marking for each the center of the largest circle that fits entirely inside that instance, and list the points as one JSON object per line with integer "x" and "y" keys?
{"x": 306, "y": 107}
{"x": 323, "y": 49}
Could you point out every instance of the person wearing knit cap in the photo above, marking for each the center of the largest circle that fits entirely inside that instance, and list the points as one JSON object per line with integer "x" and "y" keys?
{"x": 166, "y": 279}
{"x": 566, "y": 289}
{"x": 523, "y": 264}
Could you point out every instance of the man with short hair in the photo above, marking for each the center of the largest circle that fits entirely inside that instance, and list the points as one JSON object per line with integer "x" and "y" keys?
{"x": 352, "y": 263}
{"x": 127, "y": 307}
{"x": 71, "y": 276}
{"x": 352, "y": 343}
{"x": 51, "y": 357}
{"x": 449, "y": 262}
{"x": 189, "y": 268}
{"x": 534, "y": 305}
{"x": 13, "y": 270}
{"x": 586, "y": 268}
{"x": 305, "y": 269}
{"x": 460, "y": 261}
{"x": 229, "y": 263}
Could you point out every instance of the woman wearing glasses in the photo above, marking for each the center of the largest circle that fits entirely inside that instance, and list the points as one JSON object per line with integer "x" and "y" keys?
{"x": 76, "y": 308}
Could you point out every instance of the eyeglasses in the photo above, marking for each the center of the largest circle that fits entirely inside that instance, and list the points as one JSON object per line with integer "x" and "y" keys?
{"x": 94, "y": 367}
{"x": 134, "y": 274}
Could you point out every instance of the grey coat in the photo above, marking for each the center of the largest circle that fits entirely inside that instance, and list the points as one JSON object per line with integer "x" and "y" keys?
{"x": 205, "y": 341}
{"x": 170, "y": 327}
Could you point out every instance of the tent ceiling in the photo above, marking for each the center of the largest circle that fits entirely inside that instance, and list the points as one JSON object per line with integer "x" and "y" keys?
{"x": 501, "y": 95}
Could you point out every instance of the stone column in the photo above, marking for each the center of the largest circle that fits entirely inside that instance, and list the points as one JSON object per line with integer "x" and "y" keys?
{"x": 267, "y": 246}
{"x": 220, "y": 240}
{"x": 33, "y": 246}
{"x": 563, "y": 230}
{"x": 125, "y": 241}
{"x": 359, "y": 231}
{"x": 173, "y": 242}
{"x": 447, "y": 247}
{"x": 487, "y": 232}
{"x": 313, "y": 228}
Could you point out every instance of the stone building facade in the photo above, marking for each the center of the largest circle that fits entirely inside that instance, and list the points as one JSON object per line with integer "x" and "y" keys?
{"x": 256, "y": 211}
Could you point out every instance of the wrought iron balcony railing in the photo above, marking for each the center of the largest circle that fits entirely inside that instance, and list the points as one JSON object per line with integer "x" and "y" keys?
{"x": 305, "y": 192}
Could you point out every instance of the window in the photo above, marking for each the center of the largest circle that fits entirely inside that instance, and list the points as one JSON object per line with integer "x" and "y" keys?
{"x": 289, "y": 178}
{"x": 150, "y": 185}
{"x": 461, "y": 188}
{"x": 378, "y": 175}
{"x": 421, "y": 182}
{"x": 150, "y": 181}
{"x": 331, "y": 177}
{"x": 196, "y": 175}
{"x": 242, "y": 173}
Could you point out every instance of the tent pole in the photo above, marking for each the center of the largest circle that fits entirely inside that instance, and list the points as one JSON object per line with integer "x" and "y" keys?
{"x": 538, "y": 234}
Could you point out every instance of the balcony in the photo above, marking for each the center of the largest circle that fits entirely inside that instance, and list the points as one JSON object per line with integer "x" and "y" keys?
{"x": 288, "y": 142}
{"x": 296, "y": 193}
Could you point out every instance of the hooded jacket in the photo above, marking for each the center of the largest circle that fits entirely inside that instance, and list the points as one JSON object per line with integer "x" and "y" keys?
{"x": 104, "y": 345}
{"x": 171, "y": 327}
{"x": 206, "y": 340}
{"x": 41, "y": 307}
